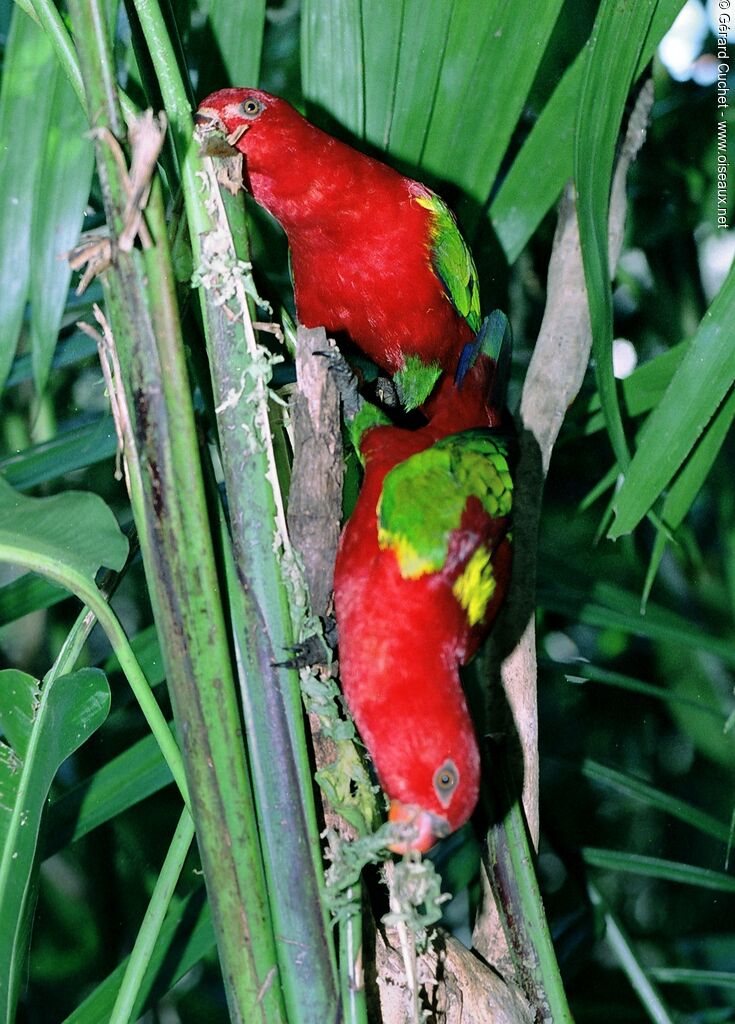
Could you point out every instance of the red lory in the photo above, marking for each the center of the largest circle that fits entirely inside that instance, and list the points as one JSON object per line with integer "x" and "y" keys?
{"x": 421, "y": 570}
{"x": 374, "y": 254}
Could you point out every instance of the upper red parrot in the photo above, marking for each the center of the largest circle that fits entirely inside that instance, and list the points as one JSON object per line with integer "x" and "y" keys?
{"x": 421, "y": 570}
{"x": 374, "y": 254}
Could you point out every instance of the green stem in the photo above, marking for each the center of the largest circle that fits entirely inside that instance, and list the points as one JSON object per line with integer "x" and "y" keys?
{"x": 178, "y": 111}
{"x": 624, "y": 953}
{"x": 352, "y": 980}
{"x": 169, "y": 507}
{"x": 509, "y": 864}
{"x": 88, "y": 593}
{"x": 150, "y": 929}
{"x": 46, "y": 14}
{"x": 259, "y": 604}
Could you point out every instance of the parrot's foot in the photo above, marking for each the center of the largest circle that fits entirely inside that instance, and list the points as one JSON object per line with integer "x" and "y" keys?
{"x": 315, "y": 650}
{"x": 346, "y": 381}
{"x": 387, "y": 393}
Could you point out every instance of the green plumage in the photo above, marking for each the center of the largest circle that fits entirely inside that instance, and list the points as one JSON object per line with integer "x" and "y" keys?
{"x": 367, "y": 417}
{"x": 451, "y": 259}
{"x": 416, "y": 381}
{"x": 423, "y": 498}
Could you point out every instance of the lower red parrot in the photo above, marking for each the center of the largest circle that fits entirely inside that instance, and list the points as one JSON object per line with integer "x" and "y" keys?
{"x": 374, "y": 254}
{"x": 421, "y": 570}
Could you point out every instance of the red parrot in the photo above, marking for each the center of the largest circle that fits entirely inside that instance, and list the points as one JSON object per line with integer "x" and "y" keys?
{"x": 421, "y": 570}
{"x": 373, "y": 254}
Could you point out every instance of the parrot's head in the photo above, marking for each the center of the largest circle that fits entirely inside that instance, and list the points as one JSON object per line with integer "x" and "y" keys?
{"x": 251, "y": 121}
{"x": 435, "y": 789}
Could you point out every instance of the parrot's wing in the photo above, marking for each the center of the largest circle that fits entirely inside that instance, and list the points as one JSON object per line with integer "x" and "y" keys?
{"x": 451, "y": 258}
{"x": 424, "y": 498}
{"x": 494, "y": 340}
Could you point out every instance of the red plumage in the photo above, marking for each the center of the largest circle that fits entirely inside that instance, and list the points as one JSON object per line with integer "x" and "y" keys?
{"x": 360, "y": 242}
{"x": 402, "y": 640}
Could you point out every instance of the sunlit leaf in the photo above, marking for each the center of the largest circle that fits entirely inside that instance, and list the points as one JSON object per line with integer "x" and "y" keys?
{"x": 24, "y": 105}
{"x": 62, "y": 191}
{"x": 613, "y": 55}
{"x": 699, "y": 386}
{"x": 439, "y": 86}
{"x": 236, "y": 29}
{"x": 73, "y": 531}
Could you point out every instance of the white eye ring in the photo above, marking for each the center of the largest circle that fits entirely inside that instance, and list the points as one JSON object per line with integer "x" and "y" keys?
{"x": 446, "y": 780}
{"x": 251, "y": 107}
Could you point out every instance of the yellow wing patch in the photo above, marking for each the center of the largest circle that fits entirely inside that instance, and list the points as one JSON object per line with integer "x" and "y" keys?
{"x": 476, "y": 585}
{"x": 410, "y": 562}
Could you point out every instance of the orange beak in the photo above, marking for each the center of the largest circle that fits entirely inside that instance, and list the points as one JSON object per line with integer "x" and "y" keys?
{"x": 427, "y": 827}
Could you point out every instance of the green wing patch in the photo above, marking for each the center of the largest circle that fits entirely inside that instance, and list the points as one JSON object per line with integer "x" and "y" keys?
{"x": 416, "y": 381}
{"x": 367, "y": 417}
{"x": 451, "y": 258}
{"x": 423, "y": 498}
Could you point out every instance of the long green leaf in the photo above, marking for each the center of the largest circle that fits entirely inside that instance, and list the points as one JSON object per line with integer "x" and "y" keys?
{"x": 67, "y": 451}
{"x": 332, "y": 59}
{"x": 424, "y": 81}
{"x": 237, "y": 30}
{"x": 27, "y": 594}
{"x": 62, "y": 191}
{"x": 686, "y": 486}
{"x": 150, "y": 930}
{"x": 483, "y": 83}
{"x": 586, "y": 672}
{"x": 700, "y": 384}
{"x": 655, "y": 867}
{"x": 609, "y": 606}
{"x": 625, "y": 953}
{"x": 124, "y": 781}
{"x": 547, "y": 156}
{"x": 635, "y": 788}
{"x": 614, "y": 52}
{"x": 24, "y": 106}
{"x": 43, "y": 725}
{"x": 692, "y": 976}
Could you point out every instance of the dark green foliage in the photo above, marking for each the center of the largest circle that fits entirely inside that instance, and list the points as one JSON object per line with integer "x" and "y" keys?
{"x": 494, "y": 105}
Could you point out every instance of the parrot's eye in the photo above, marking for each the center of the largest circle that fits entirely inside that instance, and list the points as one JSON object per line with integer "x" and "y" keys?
{"x": 446, "y": 779}
{"x": 251, "y": 107}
